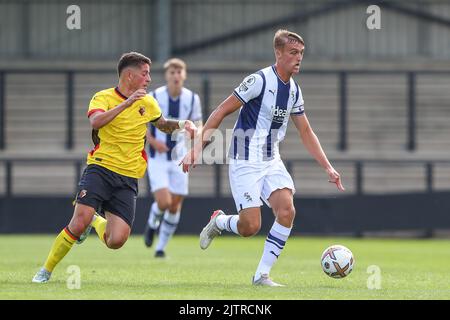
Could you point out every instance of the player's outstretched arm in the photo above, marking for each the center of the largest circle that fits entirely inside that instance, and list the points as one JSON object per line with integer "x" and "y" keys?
{"x": 313, "y": 146}
{"x": 228, "y": 106}
{"x": 169, "y": 126}
{"x": 99, "y": 119}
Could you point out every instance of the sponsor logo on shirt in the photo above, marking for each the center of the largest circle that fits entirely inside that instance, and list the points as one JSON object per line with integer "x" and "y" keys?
{"x": 278, "y": 114}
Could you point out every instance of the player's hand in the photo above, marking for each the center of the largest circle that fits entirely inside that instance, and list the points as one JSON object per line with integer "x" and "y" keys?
{"x": 335, "y": 177}
{"x": 190, "y": 159}
{"x": 160, "y": 147}
{"x": 138, "y": 94}
{"x": 190, "y": 128}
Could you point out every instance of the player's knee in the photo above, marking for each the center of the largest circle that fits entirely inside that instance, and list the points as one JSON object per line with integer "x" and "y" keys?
{"x": 249, "y": 229}
{"x": 165, "y": 204}
{"x": 115, "y": 245}
{"x": 286, "y": 215}
{"x": 116, "y": 242}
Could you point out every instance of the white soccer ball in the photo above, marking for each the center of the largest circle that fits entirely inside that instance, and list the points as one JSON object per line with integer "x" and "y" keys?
{"x": 337, "y": 261}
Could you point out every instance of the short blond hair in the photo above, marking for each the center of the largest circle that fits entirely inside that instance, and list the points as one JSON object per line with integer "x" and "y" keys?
{"x": 175, "y": 63}
{"x": 283, "y": 36}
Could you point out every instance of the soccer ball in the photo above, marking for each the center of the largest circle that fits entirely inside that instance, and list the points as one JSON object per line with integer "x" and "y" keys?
{"x": 337, "y": 261}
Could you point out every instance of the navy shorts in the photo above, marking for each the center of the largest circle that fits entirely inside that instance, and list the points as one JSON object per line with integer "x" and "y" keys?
{"x": 107, "y": 191}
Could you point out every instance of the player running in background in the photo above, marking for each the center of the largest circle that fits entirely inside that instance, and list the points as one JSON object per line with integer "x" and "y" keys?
{"x": 268, "y": 98}
{"x": 167, "y": 181}
{"x": 119, "y": 118}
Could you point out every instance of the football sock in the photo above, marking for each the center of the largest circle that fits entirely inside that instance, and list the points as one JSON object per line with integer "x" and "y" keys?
{"x": 99, "y": 224}
{"x": 155, "y": 216}
{"x": 62, "y": 244}
{"x": 228, "y": 223}
{"x": 275, "y": 241}
{"x": 168, "y": 226}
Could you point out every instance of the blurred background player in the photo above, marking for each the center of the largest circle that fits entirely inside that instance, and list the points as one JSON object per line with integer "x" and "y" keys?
{"x": 268, "y": 98}
{"x": 119, "y": 118}
{"x": 167, "y": 181}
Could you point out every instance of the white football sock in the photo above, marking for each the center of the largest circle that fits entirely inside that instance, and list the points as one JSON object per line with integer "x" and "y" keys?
{"x": 168, "y": 226}
{"x": 155, "y": 216}
{"x": 228, "y": 223}
{"x": 275, "y": 241}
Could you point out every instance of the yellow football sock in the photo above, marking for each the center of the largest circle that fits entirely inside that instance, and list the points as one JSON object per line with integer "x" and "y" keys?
{"x": 63, "y": 243}
{"x": 99, "y": 225}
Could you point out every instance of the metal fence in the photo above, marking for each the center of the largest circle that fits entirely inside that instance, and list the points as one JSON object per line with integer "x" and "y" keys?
{"x": 410, "y": 95}
{"x": 219, "y": 176}
{"x": 344, "y": 79}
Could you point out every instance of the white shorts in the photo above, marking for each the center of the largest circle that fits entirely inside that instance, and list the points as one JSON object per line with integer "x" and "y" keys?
{"x": 250, "y": 182}
{"x": 167, "y": 174}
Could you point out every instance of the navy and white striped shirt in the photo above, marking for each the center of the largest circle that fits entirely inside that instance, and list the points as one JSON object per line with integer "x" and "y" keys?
{"x": 267, "y": 103}
{"x": 185, "y": 107}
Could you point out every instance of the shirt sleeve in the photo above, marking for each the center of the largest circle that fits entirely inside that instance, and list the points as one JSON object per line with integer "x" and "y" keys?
{"x": 98, "y": 103}
{"x": 299, "y": 106}
{"x": 154, "y": 109}
{"x": 249, "y": 89}
{"x": 196, "y": 113}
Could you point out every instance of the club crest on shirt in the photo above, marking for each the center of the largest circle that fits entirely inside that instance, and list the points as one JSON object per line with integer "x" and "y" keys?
{"x": 249, "y": 81}
{"x": 293, "y": 96}
{"x": 142, "y": 110}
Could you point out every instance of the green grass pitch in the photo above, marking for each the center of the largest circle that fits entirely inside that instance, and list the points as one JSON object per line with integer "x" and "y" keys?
{"x": 410, "y": 269}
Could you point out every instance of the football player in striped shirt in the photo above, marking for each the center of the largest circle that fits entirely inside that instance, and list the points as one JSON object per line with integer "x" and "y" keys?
{"x": 267, "y": 100}
{"x": 167, "y": 181}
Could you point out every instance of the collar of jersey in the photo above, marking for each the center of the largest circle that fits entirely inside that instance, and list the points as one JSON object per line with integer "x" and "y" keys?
{"x": 171, "y": 98}
{"x": 278, "y": 76}
{"x": 116, "y": 90}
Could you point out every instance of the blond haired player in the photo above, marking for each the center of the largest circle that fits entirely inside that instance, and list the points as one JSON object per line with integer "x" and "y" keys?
{"x": 167, "y": 181}
{"x": 267, "y": 100}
